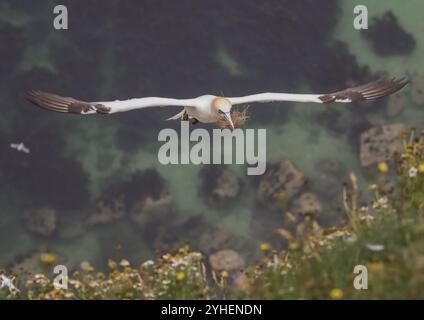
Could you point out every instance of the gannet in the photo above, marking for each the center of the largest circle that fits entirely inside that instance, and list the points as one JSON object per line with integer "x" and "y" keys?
{"x": 20, "y": 147}
{"x": 211, "y": 108}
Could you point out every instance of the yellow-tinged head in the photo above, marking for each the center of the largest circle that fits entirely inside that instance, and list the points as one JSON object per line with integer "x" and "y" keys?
{"x": 222, "y": 107}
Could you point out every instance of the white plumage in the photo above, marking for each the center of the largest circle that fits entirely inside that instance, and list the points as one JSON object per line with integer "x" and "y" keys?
{"x": 211, "y": 108}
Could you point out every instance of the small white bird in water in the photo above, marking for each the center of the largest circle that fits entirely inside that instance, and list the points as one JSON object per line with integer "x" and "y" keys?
{"x": 20, "y": 147}
{"x": 210, "y": 108}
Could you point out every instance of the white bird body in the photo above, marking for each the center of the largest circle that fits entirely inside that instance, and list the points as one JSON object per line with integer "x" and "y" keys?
{"x": 202, "y": 109}
{"x": 211, "y": 108}
{"x": 20, "y": 147}
{"x": 199, "y": 108}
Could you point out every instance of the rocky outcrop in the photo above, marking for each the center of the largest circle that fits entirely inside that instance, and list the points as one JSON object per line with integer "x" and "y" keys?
{"x": 220, "y": 185}
{"x": 306, "y": 204}
{"x": 143, "y": 198}
{"x": 228, "y": 260}
{"x": 281, "y": 181}
{"x": 218, "y": 238}
{"x": 151, "y": 208}
{"x": 387, "y": 36}
{"x": 106, "y": 212}
{"x": 379, "y": 143}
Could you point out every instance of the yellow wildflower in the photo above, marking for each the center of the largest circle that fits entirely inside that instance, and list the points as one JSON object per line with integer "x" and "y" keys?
{"x": 225, "y": 274}
{"x": 128, "y": 270}
{"x": 112, "y": 264}
{"x": 383, "y": 167}
{"x": 48, "y": 258}
{"x": 100, "y": 275}
{"x": 180, "y": 276}
{"x": 195, "y": 255}
{"x": 336, "y": 294}
{"x": 421, "y": 167}
{"x": 166, "y": 257}
{"x": 184, "y": 250}
{"x": 372, "y": 187}
{"x": 265, "y": 247}
{"x": 124, "y": 263}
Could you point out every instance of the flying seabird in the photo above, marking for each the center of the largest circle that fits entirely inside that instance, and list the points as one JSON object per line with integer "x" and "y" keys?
{"x": 20, "y": 147}
{"x": 211, "y": 108}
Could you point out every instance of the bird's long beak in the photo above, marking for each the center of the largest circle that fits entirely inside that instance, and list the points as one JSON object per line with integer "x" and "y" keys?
{"x": 227, "y": 116}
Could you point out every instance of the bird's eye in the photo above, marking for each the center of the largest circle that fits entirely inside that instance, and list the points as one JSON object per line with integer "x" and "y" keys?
{"x": 221, "y": 112}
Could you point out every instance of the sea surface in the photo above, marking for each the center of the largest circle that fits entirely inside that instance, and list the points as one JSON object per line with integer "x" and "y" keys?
{"x": 121, "y": 49}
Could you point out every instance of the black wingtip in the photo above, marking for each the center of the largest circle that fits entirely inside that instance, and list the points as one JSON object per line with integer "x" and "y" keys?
{"x": 403, "y": 82}
{"x": 31, "y": 96}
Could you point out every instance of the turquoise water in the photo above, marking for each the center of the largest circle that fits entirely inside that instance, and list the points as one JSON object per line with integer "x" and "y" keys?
{"x": 298, "y": 135}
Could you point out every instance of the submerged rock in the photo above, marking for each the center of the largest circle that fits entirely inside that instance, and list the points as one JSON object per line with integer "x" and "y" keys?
{"x": 387, "y": 36}
{"x": 228, "y": 260}
{"x": 306, "y": 204}
{"x": 106, "y": 212}
{"x": 217, "y": 239}
{"x": 143, "y": 198}
{"x": 379, "y": 143}
{"x": 220, "y": 185}
{"x": 281, "y": 181}
{"x": 336, "y": 66}
{"x": 42, "y": 221}
{"x": 150, "y": 208}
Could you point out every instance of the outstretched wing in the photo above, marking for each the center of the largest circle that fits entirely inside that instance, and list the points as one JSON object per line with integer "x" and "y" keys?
{"x": 58, "y": 103}
{"x": 370, "y": 91}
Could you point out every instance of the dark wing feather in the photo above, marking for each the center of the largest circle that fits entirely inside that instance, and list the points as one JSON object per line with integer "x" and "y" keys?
{"x": 370, "y": 91}
{"x": 58, "y": 103}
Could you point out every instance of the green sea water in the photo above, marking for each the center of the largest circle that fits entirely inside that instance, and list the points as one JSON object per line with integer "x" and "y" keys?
{"x": 300, "y": 138}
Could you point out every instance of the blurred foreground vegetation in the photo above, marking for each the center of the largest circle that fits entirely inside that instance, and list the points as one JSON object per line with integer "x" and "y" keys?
{"x": 386, "y": 236}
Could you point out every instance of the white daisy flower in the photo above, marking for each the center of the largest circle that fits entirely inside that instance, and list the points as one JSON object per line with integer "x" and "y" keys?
{"x": 413, "y": 172}
{"x": 364, "y": 209}
{"x": 148, "y": 263}
{"x": 375, "y": 247}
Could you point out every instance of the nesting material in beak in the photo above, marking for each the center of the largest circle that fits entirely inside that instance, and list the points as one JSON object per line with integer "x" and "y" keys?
{"x": 238, "y": 119}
